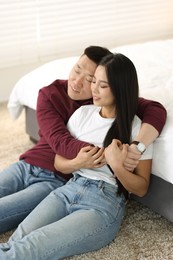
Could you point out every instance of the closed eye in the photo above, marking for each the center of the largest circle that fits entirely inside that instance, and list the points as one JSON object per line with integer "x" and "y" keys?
{"x": 77, "y": 71}
{"x": 89, "y": 78}
{"x": 104, "y": 86}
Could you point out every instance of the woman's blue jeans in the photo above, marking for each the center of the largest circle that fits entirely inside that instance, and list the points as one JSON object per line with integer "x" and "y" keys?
{"x": 82, "y": 216}
{"x": 22, "y": 188}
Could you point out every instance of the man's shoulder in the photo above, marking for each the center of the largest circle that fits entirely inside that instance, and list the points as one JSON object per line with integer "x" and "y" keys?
{"x": 57, "y": 88}
{"x": 56, "y": 84}
{"x": 56, "y": 91}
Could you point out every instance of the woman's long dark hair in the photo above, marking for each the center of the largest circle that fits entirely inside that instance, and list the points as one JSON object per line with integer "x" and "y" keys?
{"x": 123, "y": 81}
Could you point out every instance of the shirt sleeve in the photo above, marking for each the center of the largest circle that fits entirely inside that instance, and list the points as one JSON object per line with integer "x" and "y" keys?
{"x": 152, "y": 112}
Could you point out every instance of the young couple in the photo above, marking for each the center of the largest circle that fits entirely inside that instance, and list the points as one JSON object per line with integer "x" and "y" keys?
{"x": 84, "y": 214}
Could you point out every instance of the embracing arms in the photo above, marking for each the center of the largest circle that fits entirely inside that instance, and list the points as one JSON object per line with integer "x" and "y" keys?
{"x": 114, "y": 155}
{"x": 153, "y": 114}
{"x": 88, "y": 157}
{"x": 137, "y": 182}
{"x": 52, "y": 117}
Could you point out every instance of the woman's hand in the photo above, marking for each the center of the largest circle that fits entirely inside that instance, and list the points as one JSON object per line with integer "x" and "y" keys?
{"x": 115, "y": 154}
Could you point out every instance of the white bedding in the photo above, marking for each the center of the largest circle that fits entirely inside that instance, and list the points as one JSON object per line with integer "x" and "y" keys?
{"x": 154, "y": 64}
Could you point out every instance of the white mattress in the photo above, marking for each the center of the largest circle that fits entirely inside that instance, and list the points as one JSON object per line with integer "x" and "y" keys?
{"x": 154, "y": 64}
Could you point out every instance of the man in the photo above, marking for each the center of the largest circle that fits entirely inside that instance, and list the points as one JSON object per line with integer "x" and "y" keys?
{"x": 27, "y": 182}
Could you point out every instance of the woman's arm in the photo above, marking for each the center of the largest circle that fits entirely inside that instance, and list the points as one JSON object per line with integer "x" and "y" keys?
{"x": 147, "y": 135}
{"x": 88, "y": 157}
{"x": 137, "y": 182}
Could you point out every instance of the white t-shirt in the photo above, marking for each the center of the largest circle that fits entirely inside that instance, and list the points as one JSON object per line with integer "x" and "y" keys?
{"x": 86, "y": 124}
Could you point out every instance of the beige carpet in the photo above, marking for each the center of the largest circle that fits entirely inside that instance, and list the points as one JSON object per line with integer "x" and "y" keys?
{"x": 143, "y": 235}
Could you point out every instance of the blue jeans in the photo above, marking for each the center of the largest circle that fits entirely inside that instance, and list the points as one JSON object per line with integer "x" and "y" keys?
{"x": 22, "y": 187}
{"x": 82, "y": 216}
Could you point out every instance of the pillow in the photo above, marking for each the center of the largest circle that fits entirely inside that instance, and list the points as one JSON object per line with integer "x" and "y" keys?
{"x": 25, "y": 91}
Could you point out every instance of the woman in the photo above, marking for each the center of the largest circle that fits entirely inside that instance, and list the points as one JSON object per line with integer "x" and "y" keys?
{"x": 86, "y": 213}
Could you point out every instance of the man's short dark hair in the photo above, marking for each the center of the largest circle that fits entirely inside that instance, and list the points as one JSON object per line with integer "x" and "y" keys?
{"x": 96, "y": 53}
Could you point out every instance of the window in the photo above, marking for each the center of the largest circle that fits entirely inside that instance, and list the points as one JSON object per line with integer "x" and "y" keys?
{"x": 41, "y": 30}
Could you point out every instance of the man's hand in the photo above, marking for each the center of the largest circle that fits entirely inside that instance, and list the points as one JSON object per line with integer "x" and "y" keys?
{"x": 90, "y": 157}
{"x": 132, "y": 158}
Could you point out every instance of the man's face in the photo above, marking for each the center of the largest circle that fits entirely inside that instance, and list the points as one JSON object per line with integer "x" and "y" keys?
{"x": 80, "y": 78}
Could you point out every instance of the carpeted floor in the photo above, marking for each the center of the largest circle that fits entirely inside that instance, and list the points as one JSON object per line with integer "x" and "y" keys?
{"x": 143, "y": 235}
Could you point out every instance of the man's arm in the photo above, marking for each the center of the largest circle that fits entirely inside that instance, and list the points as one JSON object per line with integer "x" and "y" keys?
{"x": 153, "y": 116}
{"x": 88, "y": 157}
{"x": 136, "y": 182}
{"x": 147, "y": 134}
{"x": 52, "y": 117}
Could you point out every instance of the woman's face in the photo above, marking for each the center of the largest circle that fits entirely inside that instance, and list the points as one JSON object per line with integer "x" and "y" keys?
{"x": 102, "y": 94}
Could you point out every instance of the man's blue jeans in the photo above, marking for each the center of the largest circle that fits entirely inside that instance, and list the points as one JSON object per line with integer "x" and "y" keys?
{"x": 22, "y": 187}
{"x": 82, "y": 216}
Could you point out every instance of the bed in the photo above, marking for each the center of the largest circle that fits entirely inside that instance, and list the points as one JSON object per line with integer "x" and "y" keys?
{"x": 154, "y": 64}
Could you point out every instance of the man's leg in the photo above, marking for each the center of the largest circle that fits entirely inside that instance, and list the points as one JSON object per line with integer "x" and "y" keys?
{"x": 22, "y": 187}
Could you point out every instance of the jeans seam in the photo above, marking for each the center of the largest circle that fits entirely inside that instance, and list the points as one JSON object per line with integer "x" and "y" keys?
{"x": 76, "y": 241}
{"x": 16, "y": 214}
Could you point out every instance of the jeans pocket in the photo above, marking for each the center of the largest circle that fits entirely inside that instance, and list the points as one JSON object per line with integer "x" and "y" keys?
{"x": 109, "y": 191}
{"x": 115, "y": 202}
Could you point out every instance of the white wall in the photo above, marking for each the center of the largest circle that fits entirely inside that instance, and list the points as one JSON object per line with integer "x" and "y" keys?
{"x": 9, "y": 76}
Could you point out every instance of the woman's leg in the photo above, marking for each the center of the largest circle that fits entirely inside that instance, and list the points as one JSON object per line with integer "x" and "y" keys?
{"x": 79, "y": 232}
{"x": 22, "y": 187}
{"x": 95, "y": 217}
{"x": 49, "y": 210}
